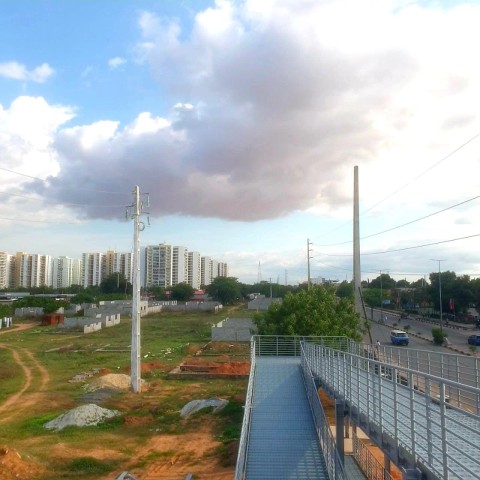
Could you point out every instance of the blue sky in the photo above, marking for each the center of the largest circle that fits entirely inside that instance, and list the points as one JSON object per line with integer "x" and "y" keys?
{"x": 244, "y": 120}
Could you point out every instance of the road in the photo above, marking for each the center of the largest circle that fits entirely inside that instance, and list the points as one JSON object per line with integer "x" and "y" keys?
{"x": 457, "y": 362}
{"x": 419, "y": 332}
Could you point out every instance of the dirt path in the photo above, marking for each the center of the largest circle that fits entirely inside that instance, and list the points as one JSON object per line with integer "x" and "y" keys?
{"x": 24, "y": 399}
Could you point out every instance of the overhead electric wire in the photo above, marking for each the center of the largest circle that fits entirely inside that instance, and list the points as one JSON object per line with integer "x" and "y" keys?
{"x": 424, "y": 245}
{"x": 39, "y": 221}
{"x": 404, "y": 224}
{"x": 399, "y": 249}
{"x": 402, "y": 187}
{"x": 59, "y": 186}
{"x": 423, "y": 173}
{"x": 36, "y": 199}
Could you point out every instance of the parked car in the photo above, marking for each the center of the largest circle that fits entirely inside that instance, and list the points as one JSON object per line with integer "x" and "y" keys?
{"x": 474, "y": 340}
{"x": 399, "y": 337}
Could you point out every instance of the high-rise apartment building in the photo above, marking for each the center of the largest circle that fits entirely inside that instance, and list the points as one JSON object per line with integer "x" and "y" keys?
{"x": 118, "y": 262}
{"x": 194, "y": 269}
{"x": 222, "y": 269}
{"x": 4, "y": 271}
{"x": 32, "y": 270}
{"x": 206, "y": 271}
{"x": 93, "y": 269}
{"x": 158, "y": 265}
{"x": 179, "y": 265}
{"x": 66, "y": 272}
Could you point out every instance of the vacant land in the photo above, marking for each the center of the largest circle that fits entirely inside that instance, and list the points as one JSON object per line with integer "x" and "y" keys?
{"x": 44, "y": 373}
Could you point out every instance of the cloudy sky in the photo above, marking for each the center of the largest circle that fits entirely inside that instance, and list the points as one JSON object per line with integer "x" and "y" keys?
{"x": 243, "y": 121}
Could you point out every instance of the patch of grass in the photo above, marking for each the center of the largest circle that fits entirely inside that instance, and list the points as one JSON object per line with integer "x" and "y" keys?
{"x": 89, "y": 466}
{"x": 66, "y": 354}
{"x": 11, "y": 377}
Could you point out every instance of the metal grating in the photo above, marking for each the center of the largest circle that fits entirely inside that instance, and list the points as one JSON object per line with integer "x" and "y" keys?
{"x": 283, "y": 444}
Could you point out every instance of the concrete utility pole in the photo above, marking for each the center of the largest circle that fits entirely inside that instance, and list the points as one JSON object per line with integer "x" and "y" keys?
{"x": 357, "y": 282}
{"x": 138, "y": 226}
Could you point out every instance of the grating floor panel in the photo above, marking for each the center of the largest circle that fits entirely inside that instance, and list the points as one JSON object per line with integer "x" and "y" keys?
{"x": 283, "y": 443}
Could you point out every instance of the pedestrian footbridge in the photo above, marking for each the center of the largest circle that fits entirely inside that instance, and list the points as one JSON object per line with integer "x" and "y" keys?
{"x": 421, "y": 408}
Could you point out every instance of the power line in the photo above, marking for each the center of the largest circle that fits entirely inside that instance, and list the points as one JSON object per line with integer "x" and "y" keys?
{"x": 403, "y": 186}
{"x": 60, "y": 186}
{"x": 38, "y": 221}
{"x": 405, "y": 224}
{"x": 424, "y": 245}
{"x": 423, "y": 173}
{"x": 62, "y": 203}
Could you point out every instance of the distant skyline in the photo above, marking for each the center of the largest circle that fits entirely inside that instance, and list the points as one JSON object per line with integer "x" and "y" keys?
{"x": 243, "y": 120}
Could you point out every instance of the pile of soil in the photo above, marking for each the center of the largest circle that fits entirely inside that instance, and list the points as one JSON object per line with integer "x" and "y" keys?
{"x": 14, "y": 467}
{"x": 118, "y": 381}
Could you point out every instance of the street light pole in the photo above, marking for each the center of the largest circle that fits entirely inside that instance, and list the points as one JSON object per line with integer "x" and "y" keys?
{"x": 440, "y": 289}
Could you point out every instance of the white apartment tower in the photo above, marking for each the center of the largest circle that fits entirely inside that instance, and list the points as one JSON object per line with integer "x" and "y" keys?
{"x": 158, "y": 265}
{"x": 62, "y": 272}
{"x": 66, "y": 272}
{"x": 222, "y": 269}
{"x": 194, "y": 269}
{"x": 206, "y": 272}
{"x": 93, "y": 269}
{"x": 179, "y": 265}
{"x": 4, "y": 271}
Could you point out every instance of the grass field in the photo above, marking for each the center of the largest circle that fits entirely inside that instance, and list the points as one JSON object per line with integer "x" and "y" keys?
{"x": 150, "y": 434}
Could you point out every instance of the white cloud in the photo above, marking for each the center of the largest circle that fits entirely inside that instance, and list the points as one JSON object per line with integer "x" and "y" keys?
{"x": 116, "y": 62}
{"x": 17, "y": 71}
{"x": 274, "y": 123}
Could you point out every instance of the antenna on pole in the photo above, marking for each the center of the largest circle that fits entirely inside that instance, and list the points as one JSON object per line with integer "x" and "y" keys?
{"x": 138, "y": 226}
{"x": 309, "y": 282}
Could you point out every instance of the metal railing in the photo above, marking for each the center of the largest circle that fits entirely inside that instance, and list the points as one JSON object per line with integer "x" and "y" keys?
{"x": 410, "y": 408}
{"x": 244, "y": 436}
{"x": 289, "y": 345}
{"x": 327, "y": 442}
{"x": 367, "y": 462}
{"x": 459, "y": 368}
{"x": 270, "y": 345}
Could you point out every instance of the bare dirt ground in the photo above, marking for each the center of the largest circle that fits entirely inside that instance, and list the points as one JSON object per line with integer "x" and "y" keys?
{"x": 168, "y": 457}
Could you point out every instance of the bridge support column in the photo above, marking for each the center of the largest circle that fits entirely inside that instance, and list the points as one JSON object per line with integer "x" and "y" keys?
{"x": 340, "y": 429}
{"x": 386, "y": 463}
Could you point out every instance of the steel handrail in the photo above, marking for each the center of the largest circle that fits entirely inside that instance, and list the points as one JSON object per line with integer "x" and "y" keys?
{"x": 370, "y": 387}
{"x": 241, "y": 464}
{"x": 332, "y": 459}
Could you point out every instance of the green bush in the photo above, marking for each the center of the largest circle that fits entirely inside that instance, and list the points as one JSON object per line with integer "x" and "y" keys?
{"x": 438, "y": 335}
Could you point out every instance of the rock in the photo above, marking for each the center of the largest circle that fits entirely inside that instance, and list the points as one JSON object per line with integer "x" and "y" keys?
{"x": 196, "y": 405}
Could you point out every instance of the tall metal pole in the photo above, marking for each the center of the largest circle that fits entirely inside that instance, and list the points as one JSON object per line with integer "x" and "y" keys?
{"x": 357, "y": 282}
{"x": 135, "y": 352}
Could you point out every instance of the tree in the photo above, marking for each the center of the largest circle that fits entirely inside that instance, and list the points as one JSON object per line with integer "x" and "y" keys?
{"x": 115, "y": 283}
{"x": 49, "y": 305}
{"x": 226, "y": 290}
{"x": 316, "y": 311}
{"x": 345, "y": 289}
{"x": 182, "y": 292}
{"x": 384, "y": 281}
{"x": 82, "y": 297}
